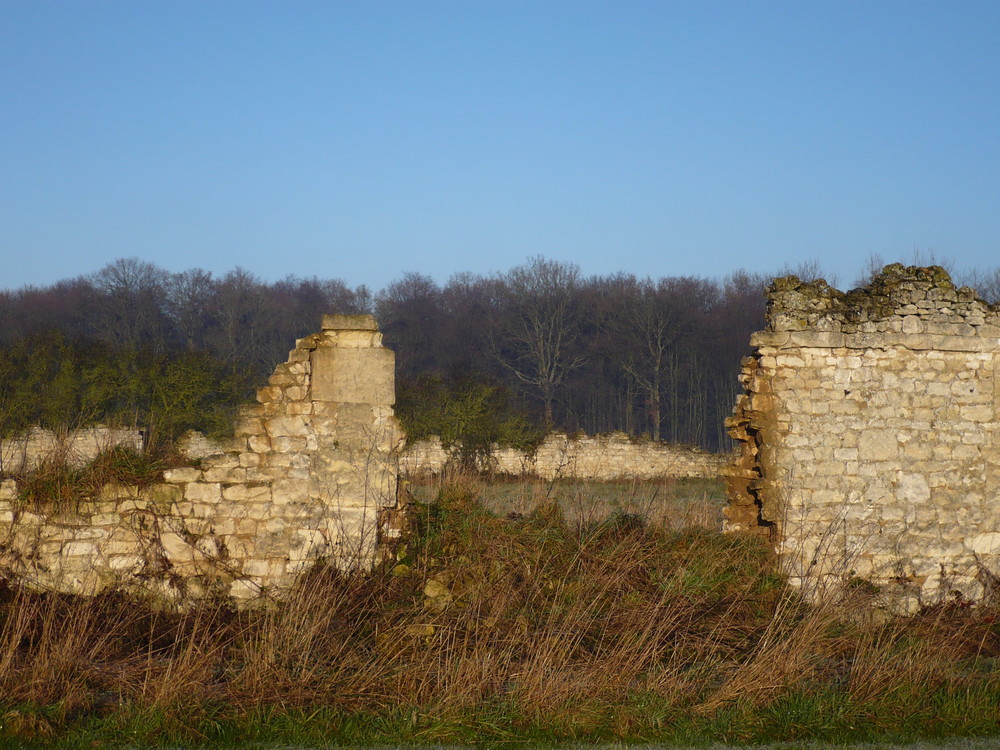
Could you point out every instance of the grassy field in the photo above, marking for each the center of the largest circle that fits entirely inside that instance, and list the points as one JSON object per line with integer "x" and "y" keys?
{"x": 517, "y": 613}
{"x": 671, "y": 503}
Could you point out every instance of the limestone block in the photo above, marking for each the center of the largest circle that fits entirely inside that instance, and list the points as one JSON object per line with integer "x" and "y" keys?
{"x": 250, "y": 460}
{"x": 182, "y": 475}
{"x": 282, "y": 376}
{"x": 203, "y": 492}
{"x": 204, "y": 510}
{"x": 878, "y": 445}
{"x": 176, "y": 547}
{"x": 912, "y": 489}
{"x": 264, "y": 568}
{"x": 296, "y": 393}
{"x": 259, "y": 493}
{"x": 270, "y": 394}
{"x": 126, "y": 562}
{"x": 271, "y": 409}
{"x": 299, "y": 408}
{"x": 987, "y": 543}
{"x": 224, "y": 527}
{"x": 977, "y": 413}
{"x": 307, "y": 543}
{"x": 247, "y": 426}
{"x": 292, "y": 445}
{"x": 353, "y": 375}
{"x": 79, "y": 549}
{"x": 259, "y": 443}
{"x": 296, "y": 426}
{"x": 8, "y": 490}
{"x": 285, "y": 491}
{"x": 221, "y": 461}
{"x": 210, "y": 546}
{"x": 243, "y": 590}
{"x": 236, "y": 492}
{"x": 224, "y": 476}
{"x": 94, "y": 532}
{"x": 344, "y": 323}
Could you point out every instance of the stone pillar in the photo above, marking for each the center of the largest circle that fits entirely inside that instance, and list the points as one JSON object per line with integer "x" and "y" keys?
{"x": 354, "y": 464}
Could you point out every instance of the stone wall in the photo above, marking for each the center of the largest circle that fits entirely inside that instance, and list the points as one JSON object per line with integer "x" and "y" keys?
{"x": 868, "y": 432}
{"x": 76, "y": 447}
{"x": 603, "y": 457}
{"x": 310, "y": 473}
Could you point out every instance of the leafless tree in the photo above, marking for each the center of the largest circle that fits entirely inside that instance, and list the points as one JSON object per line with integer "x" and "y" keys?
{"x": 240, "y": 312}
{"x": 409, "y": 313}
{"x": 189, "y": 298}
{"x": 131, "y": 303}
{"x": 986, "y": 282}
{"x": 875, "y": 263}
{"x": 537, "y": 326}
{"x": 808, "y": 270}
{"x": 649, "y": 323}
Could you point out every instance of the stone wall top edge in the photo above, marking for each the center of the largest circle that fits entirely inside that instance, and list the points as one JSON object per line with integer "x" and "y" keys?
{"x": 913, "y": 342}
{"x": 926, "y": 293}
{"x": 340, "y": 322}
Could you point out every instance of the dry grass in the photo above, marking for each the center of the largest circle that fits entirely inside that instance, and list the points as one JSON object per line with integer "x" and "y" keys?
{"x": 668, "y": 503}
{"x": 602, "y": 623}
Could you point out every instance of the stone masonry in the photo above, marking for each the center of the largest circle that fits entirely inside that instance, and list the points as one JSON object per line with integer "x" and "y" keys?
{"x": 601, "y": 457}
{"x": 868, "y": 433}
{"x": 310, "y": 474}
{"x": 75, "y": 447}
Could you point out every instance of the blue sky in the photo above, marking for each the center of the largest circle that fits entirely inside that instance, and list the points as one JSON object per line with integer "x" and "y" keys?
{"x": 361, "y": 140}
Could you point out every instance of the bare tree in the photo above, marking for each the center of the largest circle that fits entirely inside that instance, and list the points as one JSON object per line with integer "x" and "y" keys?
{"x": 240, "y": 313}
{"x": 342, "y": 299}
{"x": 189, "y": 298}
{"x": 131, "y": 303}
{"x": 648, "y": 323}
{"x": 409, "y": 313}
{"x": 875, "y": 263}
{"x": 537, "y": 326}
{"x": 809, "y": 270}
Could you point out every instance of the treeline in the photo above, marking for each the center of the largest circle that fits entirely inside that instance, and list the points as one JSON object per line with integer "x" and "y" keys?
{"x": 134, "y": 343}
{"x": 655, "y": 357}
{"x": 501, "y": 356}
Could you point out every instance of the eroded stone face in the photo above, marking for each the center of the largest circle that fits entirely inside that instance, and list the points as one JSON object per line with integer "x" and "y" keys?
{"x": 310, "y": 474}
{"x": 353, "y": 376}
{"x": 868, "y": 433}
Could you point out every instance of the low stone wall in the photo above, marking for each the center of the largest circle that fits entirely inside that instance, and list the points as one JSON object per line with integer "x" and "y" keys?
{"x": 869, "y": 436}
{"x": 310, "y": 474}
{"x": 603, "y": 457}
{"x": 76, "y": 447}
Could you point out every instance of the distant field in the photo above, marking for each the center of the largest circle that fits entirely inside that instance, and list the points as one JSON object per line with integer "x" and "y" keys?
{"x": 676, "y": 503}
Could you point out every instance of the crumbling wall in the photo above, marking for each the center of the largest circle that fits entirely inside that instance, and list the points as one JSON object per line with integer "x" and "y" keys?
{"x": 75, "y": 447}
{"x": 601, "y": 457}
{"x": 868, "y": 434}
{"x": 310, "y": 474}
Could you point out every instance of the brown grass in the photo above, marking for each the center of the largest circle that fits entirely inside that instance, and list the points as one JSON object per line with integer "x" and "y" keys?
{"x": 563, "y": 621}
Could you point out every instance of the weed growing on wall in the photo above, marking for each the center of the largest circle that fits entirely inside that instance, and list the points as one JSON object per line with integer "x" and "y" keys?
{"x": 55, "y": 484}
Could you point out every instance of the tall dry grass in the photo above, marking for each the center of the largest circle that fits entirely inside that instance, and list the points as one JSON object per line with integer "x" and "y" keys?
{"x": 544, "y": 617}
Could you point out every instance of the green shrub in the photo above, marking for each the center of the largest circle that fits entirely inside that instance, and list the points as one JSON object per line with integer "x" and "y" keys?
{"x": 468, "y": 414}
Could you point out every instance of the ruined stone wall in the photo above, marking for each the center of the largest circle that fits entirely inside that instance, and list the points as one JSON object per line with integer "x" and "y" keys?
{"x": 603, "y": 457}
{"x": 76, "y": 447}
{"x": 868, "y": 433}
{"x": 310, "y": 473}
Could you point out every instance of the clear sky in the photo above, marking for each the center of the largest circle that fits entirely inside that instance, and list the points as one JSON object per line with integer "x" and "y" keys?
{"x": 365, "y": 138}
